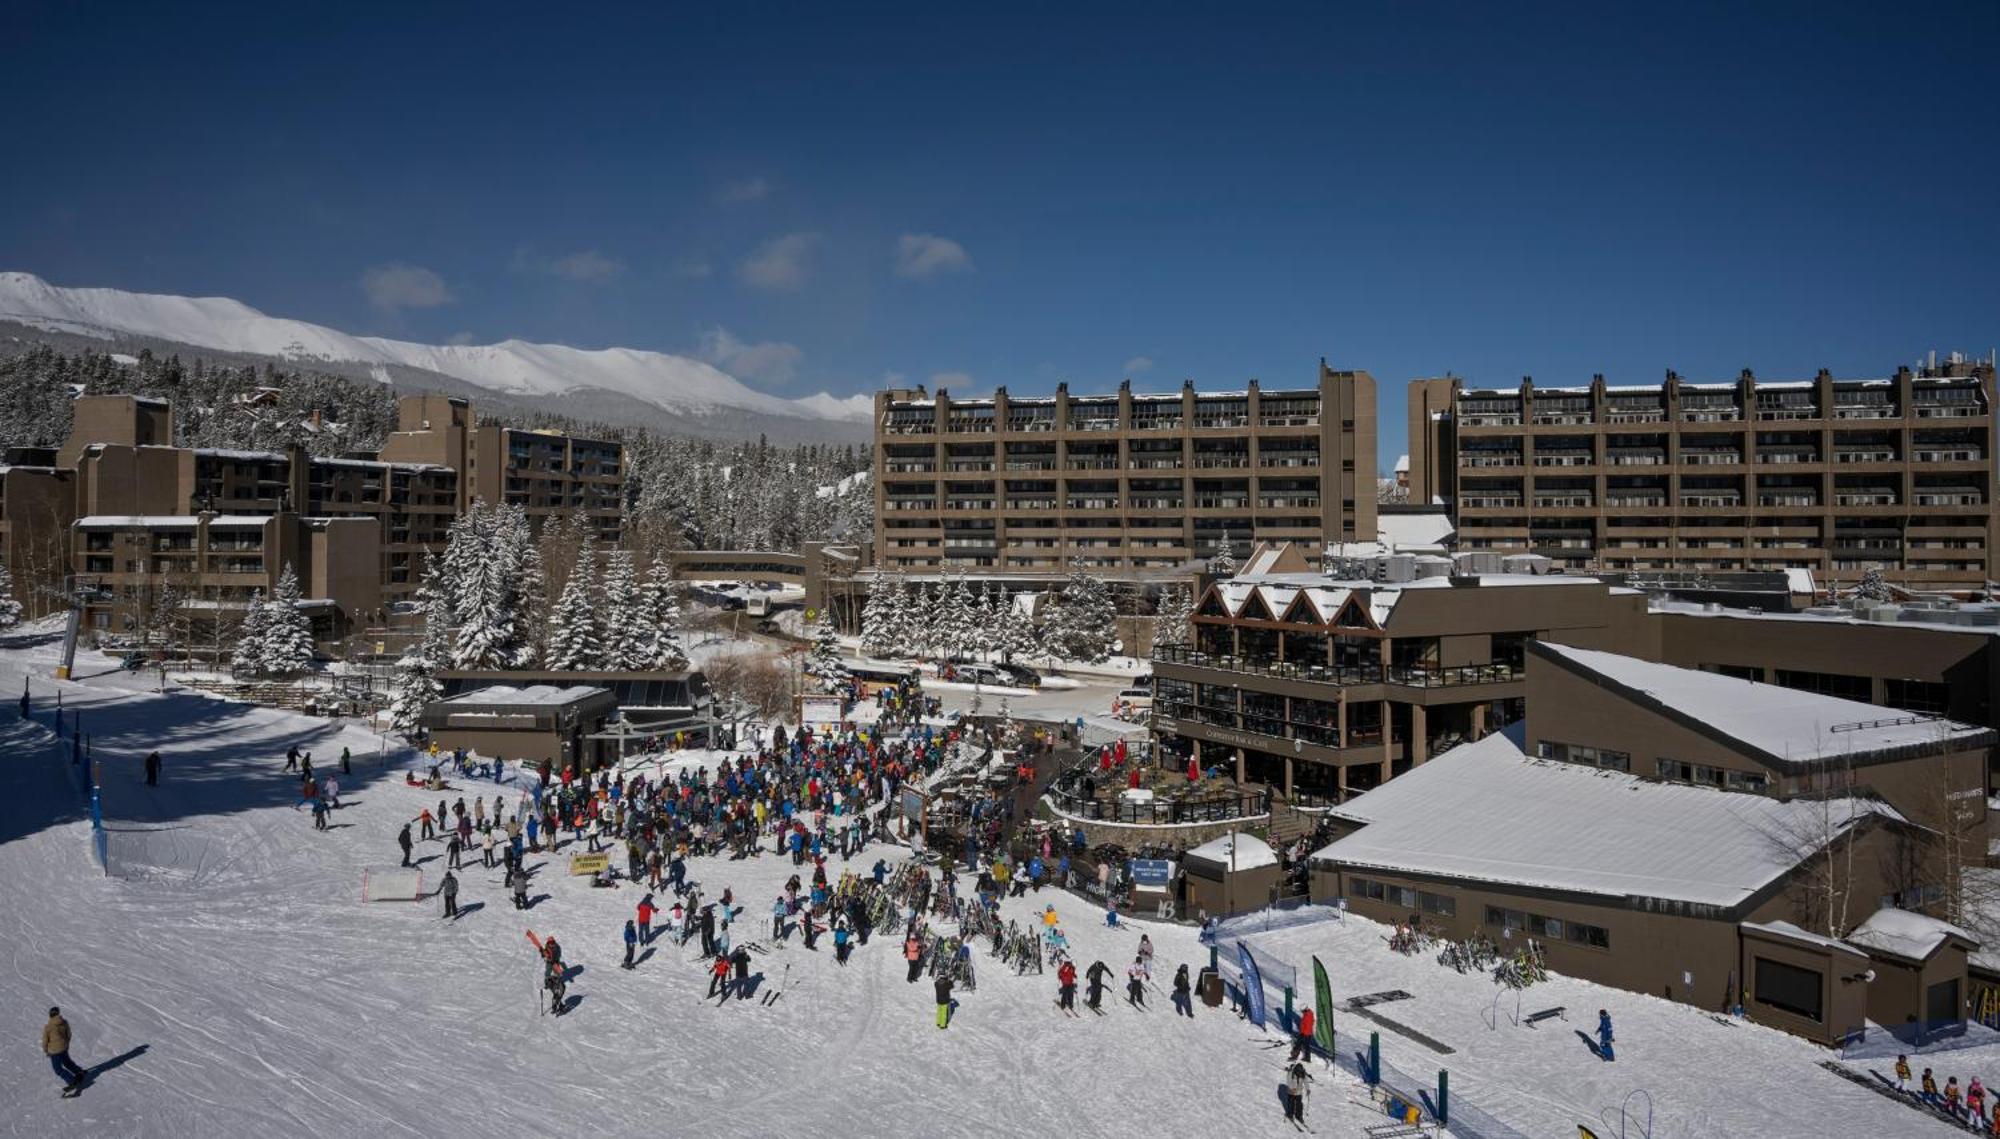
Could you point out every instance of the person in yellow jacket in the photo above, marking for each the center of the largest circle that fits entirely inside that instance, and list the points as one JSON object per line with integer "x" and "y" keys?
{"x": 1902, "y": 1073}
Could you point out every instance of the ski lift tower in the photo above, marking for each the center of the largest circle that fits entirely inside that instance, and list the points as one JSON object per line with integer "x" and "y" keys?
{"x": 79, "y": 592}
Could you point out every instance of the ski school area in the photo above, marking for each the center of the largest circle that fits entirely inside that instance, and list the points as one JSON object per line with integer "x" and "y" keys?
{"x": 223, "y": 976}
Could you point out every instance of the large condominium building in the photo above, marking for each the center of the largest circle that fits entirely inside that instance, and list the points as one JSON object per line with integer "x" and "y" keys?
{"x": 1133, "y": 485}
{"x": 1833, "y": 475}
{"x": 546, "y": 473}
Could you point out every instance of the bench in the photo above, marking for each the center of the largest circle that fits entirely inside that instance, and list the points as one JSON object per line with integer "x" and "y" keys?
{"x": 1559, "y": 1013}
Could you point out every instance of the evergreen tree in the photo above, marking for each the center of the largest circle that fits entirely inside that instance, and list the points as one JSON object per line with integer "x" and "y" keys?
{"x": 575, "y": 640}
{"x": 1873, "y": 586}
{"x": 987, "y": 642}
{"x": 877, "y": 620}
{"x": 417, "y": 684}
{"x": 534, "y": 603}
{"x": 248, "y": 657}
{"x": 1170, "y": 626}
{"x": 1085, "y": 622}
{"x": 488, "y": 583}
{"x": 1223, "y": 564}
{"x": 627, "y": 644}
{"x": 10, "y": 608}
{"x": 288, "y": 643}
{"x": 1017, "y": 630}
{"x": 660, "y": 601}
{"x": 823, "y": 662}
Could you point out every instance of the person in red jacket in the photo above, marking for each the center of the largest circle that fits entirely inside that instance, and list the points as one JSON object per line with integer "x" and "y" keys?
{"x": 1066, "y": 986}
{"x": 1302, "y": 1043}
{"x": 646, "y": 912}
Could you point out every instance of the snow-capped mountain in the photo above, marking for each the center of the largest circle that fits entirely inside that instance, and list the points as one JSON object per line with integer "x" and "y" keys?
{"x": 676, "y": 385}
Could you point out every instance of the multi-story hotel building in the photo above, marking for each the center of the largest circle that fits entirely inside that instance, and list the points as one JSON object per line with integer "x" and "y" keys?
{"x": 546, "y": 473}
{"x": 1132, "y": 485}
{"x": 1833, "y": 475}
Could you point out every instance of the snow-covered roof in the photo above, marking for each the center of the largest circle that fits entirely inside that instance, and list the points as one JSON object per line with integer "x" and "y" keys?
{"x": 533, "y": 694}
{"x": 1251, "y": 852}
{"x": 1905, "y": 934}
{"x": 240, "y": 456}
{"x": 1784, "y": 725}
{"x": 138, "y": 520}
{"x": 1790, "y": 932}
{"x": 1485, "y": 812}
{"x": 1413, "y": 531}
{"x": 1264, "y": 559}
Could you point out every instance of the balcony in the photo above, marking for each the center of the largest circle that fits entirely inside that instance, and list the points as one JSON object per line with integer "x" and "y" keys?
{"x": 1490, "y": 459}
{"x": 1871, "y": 497}
{"x": 1696, "y": 458}
{"x": 1561, "y": 501}
{"x": 1491, "y": 501}
{"x": 1959, "y": 454}
{"x": 1787, "y": 498}
{"x": 1563, "y": 458}
{"x": 909, "y": 468}
{"x": 1868, "y": 455}
{"x": 1643, "y": 457}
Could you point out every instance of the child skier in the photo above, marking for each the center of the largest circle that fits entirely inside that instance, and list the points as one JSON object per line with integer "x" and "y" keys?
{"x": 1604, "y": 1035}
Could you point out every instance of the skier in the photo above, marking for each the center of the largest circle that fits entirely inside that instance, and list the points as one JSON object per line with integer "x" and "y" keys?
{"x": 403, "y": 840}
{"x": 55, "y": 1045}
{"x": 426, "y": 821}
{"x": 331, "y": 793}
{"x": 1096, "y": 975}
{"x": 1604, "y": 1035}
{"x": 1903, "y": 1074}
{"x": 1066, "y": 987}
{"x": 451, "y": 852}
{"x": 518, "y": 878}
{"x": 741, "y": 959}
{"x": 487, "y": 844}
{"x": 1146, "y": 955}
{"x": 449, "y": 889}
{"x": 943, "y": 1001}
{"x": 153, "y": 769}
{"x": 631, "y": 941}
{"x": 1929, "y": 1093}
{"x": 1135, "y": 985}
{"x": 841, "y": 938}
{"x": 1302, "y": 1040}
{"x": 778, "y": 912}
{"x": 292, "y": 758}
{"x": 707, "y": 931}
{"x": 319, "y": 814}
{"x": 346, "y": 762}
{"x": 913, "y": 952}
{"x": 718, "y": 977}
{"x": 1183, "y": 1001}
{"x": 1297, "y": 1085}
{"x": 556, "y": 986}
{"x": 646, "y": 912}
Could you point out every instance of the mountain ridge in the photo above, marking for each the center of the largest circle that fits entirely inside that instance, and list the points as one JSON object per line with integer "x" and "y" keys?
{"x": 677, "y": 386}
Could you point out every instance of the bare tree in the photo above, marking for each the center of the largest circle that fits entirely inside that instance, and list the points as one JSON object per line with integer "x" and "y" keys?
{"x": 1818, "y": 835}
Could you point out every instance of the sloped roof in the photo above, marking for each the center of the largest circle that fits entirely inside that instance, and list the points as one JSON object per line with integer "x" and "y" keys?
{"x": 1784, "y": 725}
{"x": 1251, "y": 852}
{"x": 1906, "y": 934}
{"x": 1486, "y": 812}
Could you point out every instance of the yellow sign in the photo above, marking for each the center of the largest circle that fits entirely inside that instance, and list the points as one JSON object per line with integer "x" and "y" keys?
{"x": 581, "y": 864}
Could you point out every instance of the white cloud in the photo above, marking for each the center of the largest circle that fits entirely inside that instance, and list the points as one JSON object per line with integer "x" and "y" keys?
{"x": 1138, "y": 364}
{"x": 780, "y": 263}
{"x": 921, "y": 255}
{"x": 743, "y": 190}
{"x": 461, "y": 339}
{"x": 771, "y": 362}
{"x": 397, "y": 286}
{"x": 952, "y": 380}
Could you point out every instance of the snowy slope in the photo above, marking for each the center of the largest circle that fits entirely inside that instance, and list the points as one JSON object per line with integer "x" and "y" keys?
{"x": 249, "y": 992}
{"x": 514, "y": 367}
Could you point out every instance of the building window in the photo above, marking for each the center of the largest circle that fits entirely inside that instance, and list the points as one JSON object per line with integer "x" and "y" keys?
{"x": 1548, "y": 928}
{"x": 1594, "y": 936}
{"x": 1587, "y": 756}
{"x": 1788, "y": 988}
{"x": 1828, "y": 684}
{"x": 1676, "y": 771}
{"x": 1440, "y": 905}
{"x": 1919, "y": 696}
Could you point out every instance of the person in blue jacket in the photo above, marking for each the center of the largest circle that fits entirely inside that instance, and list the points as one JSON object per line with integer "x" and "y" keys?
{"x": 631, "y": 941}
{"x": 1604, "y": 1035}
{"x": 779, "y": 911}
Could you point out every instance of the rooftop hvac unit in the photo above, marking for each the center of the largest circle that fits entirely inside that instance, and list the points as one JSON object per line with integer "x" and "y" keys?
{"x": 1431, "y": 565}
{"x": 1399, "y": 569}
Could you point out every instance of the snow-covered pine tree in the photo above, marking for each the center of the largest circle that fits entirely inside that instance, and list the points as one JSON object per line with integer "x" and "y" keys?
{"x": 956, "y": 619}
{"x": 489, "y": 600}
{"x": 661, "y": 602}
{"x": 1223, "y": 564}
{"x": 990, "y": 618}
{"x": 1087, "y": 619}
{"x": 575, "y": 640}
{"x": 875, "y": 619}
{"x": 1017, "y": 629}
{"x": 626, "y": 644}
{"x": 1170, "y": 626}
{"x": 534, "y": 603}
{"x": 823, "y": 661}
{"x": 288, "y": 643}
{"x": 10, "y": 607}
{"x": 248, "y": 657}
{"x": 417, "y": 684}
{"x": 902, "y": 620}
{"x": 1873, "y": 586}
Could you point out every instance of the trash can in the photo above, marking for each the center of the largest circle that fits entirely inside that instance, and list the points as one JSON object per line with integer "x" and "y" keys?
{"x": 1210, "y": 987}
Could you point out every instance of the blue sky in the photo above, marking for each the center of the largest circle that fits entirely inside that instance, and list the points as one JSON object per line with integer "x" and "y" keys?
{"x": 819, "y": 196}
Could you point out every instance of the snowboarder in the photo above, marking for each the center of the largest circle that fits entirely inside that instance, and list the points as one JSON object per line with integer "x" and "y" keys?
{"x": 403, "y": 840}
{"x": 1066, "y": 987}
{"x": 55, "y": 1045}
{"x": 631, "y": 941}
{"x": 1135, "y": 984}
{"x": 153, "y": 769}
{"x": 449, "y": 889}
{"x": 943, "y": 1001}
{"x": 1298, "y": 1085}
{"x": 1183, "y": 1000}
{"x": 1604, "y": 1036}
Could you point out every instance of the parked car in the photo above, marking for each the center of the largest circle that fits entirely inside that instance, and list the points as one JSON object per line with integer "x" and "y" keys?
{"x": 1020, "y": 676}
{"x": 1139, "y": 699}
{"x": 977, "y": 674}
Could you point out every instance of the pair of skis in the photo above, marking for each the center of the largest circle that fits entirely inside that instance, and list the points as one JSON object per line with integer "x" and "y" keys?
{"x": 771, "y": 997}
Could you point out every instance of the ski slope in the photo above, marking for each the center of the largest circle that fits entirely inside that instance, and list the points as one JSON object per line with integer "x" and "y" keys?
{"x": 263, "y": 998}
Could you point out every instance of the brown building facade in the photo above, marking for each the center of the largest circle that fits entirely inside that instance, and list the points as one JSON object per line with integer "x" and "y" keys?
{"x": 545, "y": 473}
{"x": 1827, "y": 474}
{"x": 1129, "y": 485}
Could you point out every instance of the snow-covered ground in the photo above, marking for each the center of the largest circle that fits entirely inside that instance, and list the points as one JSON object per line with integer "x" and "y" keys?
{"x": 248, "y": 991}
